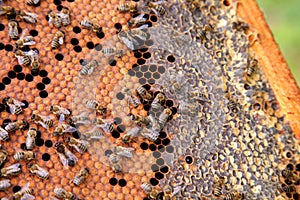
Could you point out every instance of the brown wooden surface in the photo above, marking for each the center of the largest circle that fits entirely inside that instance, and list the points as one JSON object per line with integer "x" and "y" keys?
{"x": 273, "y": 63}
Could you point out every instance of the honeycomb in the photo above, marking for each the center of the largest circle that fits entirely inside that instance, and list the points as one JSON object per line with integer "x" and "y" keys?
{"x": 198, "y": 54}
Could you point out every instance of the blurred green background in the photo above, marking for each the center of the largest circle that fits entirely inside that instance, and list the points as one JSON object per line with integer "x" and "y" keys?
{"x": 283, "y": 18}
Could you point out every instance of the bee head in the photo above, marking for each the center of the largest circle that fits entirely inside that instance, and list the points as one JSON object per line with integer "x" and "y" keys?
{"x": 68, "y": 139}
{"x": 29, "y": 165}
{"x": 125, "y": 139}
{"x": 87, "y": 169}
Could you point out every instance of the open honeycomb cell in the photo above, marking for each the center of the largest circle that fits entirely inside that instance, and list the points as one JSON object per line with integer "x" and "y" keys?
{"x": 219, "y": 119}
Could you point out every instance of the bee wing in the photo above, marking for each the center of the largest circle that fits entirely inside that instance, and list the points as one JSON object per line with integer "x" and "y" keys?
{"x": 27, "y": 196}
{"x": 12, "y": 108}
{"x": 29, "y": 43}
{"x": 36, "y": 1}
{"x": 71, "y": 156}
{"x": 25, "y": 187}
{"x": 61, "y": 40}
{"x": 90, "y": 71}
{"x": 44, "y": 125}
{"x": 70, "y": 129}
{"x": 129, "y": 43}
{"x": 63, "y": 160}
{"x": 77, "y": 149}
{"x": 62, "y": 118}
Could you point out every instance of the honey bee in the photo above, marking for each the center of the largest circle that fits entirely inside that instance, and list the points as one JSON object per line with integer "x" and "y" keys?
{"x": 115, "y": 163}
{"x": 4, "y": 184}
{"x": 25, "y": 193}
{"x": 78, "y": 120}
{"x": 156, "y": 7}
{"x": 55, "y": 19}
{"x": 140, "y": 120}
{"x": 240, "y": 25}
{"x": 96, "y": 105}
{"x": 32, "y": 2}
{"x": 154, "y": 125}
{"x": 63, "y": 194}
{"x": 17, "y": 125}
{"x": 80, "y": 145}
{"x": 234, "y": 196}
{"x": 60, "y": 112}
{"x": 24, "y": 41}
{"x": 288, "y": 188}
{"x": 44, "y": 121}
{"x": 96, "y": 134}
{"x": 128, "y": 7}
{"x": 164, "y": 116}
{"x": 7, "y": 10}
{"x": 158, "y": 101}
{"x": 38, "y": 171}
{"x": 28, "y": 17}
{"x": 13, "y": 32}
{"x": 149, "y": 190}
{"x": 288, "y": 174}
{"x": 3, "y": 135}
{"x": 81, "y": 176}
{"x": 91, "y": 26}
{"x": 34, "y": 57}
{"x": 146, "y": 96}
{"x": 64, "y": 128}
{"x": 65, "y": 16}
{"x": 123, "y": 151}
{"x": 169, "y": 192}
{"x": 137, "y": 21}
{"x": 3, "y": 157}
{"x": 65, "y": 155}
{"x": 24, "y": 155}
{"x": 219, "y": 186}
{"x": 30, "y": 138}
{"x": 131, "y": 134}
{"x": 112, "y": 52}
{"x": 12, "y": 170}
{"x": 107, "y": 126}
{"x": 149, "y": 134}
{"x": 133, "y": 99}
{"x": 58, "y": 39}
{"x": 127, "y": 38}
{"x": 202, "y": 32}
{"x": 22, "y": 58}
{"x": 89, "y": 68}
{"x": 15, "y": 106}
{"x": 251, "y": 67}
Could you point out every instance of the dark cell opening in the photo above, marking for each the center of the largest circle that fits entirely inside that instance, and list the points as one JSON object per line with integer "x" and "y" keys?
{"x": 147, "y": 107}
{"x": 26, "y": 104}
{"x": 154, "y": 181}
{"x": 46, "y": 80}
{"x": 161, "y": 148}
{"x": 296, "y": 196}
{"x": 166, "y": 141}
{"x": 131, "y": 72}
{"x": 120, "y": 96}
{"x": 162, "y": 134}
{"x": 76, "y": 29}
{"x": 20, "y": 76}
{"x": 160, "y": 161}
{"x": 144, "y": 146}
{"x": 8, "y": 47}
{"x": 226, "y": 2}
{"x": 112, "y": 62}
{"x": 2, "y": 27}
{"x": 156, "y": 75}
{"x": 144, "y": 68}
{"x": 135, "y": 67}
{"x": 137, "y": 54}
{"x": 156, "y": 154}
{"x": 33, "y": 33}
{"x": 152, "y": 147}
{"x": 57, "y": 2}
{"x": 6, "y": 121}
{"x": 43, "y": 94}
{"x": 288, "y": 154}
{"x": 34, "y": 72}
{"x": 98, "y": 47}
{"x": 25, "y": 48}
{"x": 90, "y": 45}
{"x": 288, "y": 182}
{"x": 115, "y": 134}
{"x": 289, "y": 195}
{"x": 141, "y": 61}
{"x": 43, "y": 73}
{"x": 171, "y": 58}
{"x": 76, "y": 134}
{"x": 188, "y": 159}
{"x": 100, "y": 35}
{"x": 147, "y": 55}
{"x": 6, "y": 81}
{"x": 147, "y": 87}
{"x": 107, "y": 152}
{"x": 153, "y": 18}
{"x": 77, "y": 48}
{"x": 74, "y": 41}
{"x": 121, "y": 128}
{"x": 59, "y": 57}
{"x": 1, "y": 46}
{"x": 247, "y": 87}
{"x": 46, "y": 157}
{"x": 142, "y": 81}
{"x": 143, "y": 50}
{"x": 138, "y": 74}
{"x": 153, "y": 68}
{"x": 18, "y": 68}
{"x": 174, "y": 110}
{"x": 290, "y": 166}
{"x": 12, "y": 74}
{"x": 29, "y": 77}
{"x": 48, "y": 143}
{"x": 113, "y": 181}
{"x": 2, "y": 107}
{"x": 38, "y": 134}
{"x": 20, "y": 29}
{"x": 164, "y": 169}
{"x": 118, "y": 26}
{"x": 59, "y": 7}
{"x": 159, "y": 175}
{"x": 298, "y": 167}
{"x": 16, "y": 189}
{"x": 147, "y": 75}
{"x": 161, "y": 69}
{"x": 39, "y": 142}
{"x": 151, "y": 81}
{"x": 122, "y": 182}
{"x": 154, "y": 168}
{"x": 40, "y": 86}
{"x": 157, "y": 141}
{"x": 169, "y": 103}
{"x": 117, "y": 120}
